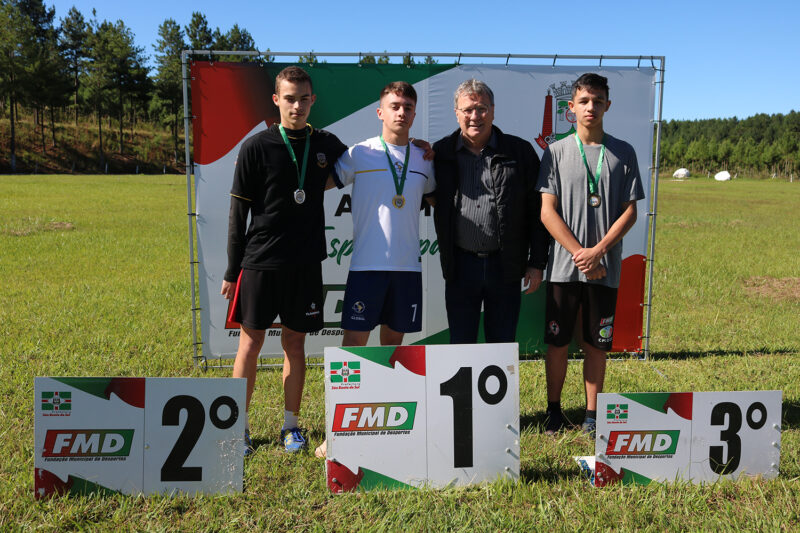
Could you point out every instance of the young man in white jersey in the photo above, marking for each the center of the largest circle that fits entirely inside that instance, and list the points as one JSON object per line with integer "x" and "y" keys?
{"x": 390, "y": 179}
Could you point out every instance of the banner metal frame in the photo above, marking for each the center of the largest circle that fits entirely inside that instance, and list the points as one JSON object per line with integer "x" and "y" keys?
{"x": 656, "y": 63}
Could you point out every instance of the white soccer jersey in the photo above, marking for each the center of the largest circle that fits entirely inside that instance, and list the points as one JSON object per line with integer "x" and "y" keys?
{"x": 385, "y": 237}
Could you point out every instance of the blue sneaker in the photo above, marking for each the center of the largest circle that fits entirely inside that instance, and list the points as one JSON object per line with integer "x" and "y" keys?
{"x": 293, "y": 440}
{"x": 589, "y": 426}
{"x": 248, "y": 443}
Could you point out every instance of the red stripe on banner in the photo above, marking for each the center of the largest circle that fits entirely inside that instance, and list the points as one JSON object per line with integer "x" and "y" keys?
{"x": 230, "y": 320}
{"x": 47, "y": 483}
{"x": 342, "y": 479}
{"x": 411, "y": 357}
{"x": 228, "y": 100}
{"x": 680, "y": 403}
{"x": 629, "y": 316}
{"x": 129, "y": 390}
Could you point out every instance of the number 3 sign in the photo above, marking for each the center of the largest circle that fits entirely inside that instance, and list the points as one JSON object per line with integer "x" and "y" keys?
{"x": 697, "y": 436}
{"x": 132, "y": 435}
{"x": 421, "y": 415}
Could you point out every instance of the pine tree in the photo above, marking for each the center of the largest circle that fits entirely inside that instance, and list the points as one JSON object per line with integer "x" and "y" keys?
{"x": 169, "y": 80}
{"x": 73, "y": 47}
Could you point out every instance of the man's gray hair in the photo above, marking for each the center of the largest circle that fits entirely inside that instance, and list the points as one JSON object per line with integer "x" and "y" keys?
{"x": 473, "y": 86}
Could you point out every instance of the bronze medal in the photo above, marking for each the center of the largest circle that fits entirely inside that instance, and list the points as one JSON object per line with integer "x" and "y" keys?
{"x": 594, "y": 200}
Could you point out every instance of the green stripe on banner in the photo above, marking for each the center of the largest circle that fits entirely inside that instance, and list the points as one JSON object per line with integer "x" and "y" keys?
{"x": 83, "y": 487}
{"x": 346, "y": 88}
{"x": 653, "y": 400}
{"x": 94, "y": 386}
{"x": 629, "y": 477}
{"x": 375, "y": 481}
{"x": 377, "y": 354}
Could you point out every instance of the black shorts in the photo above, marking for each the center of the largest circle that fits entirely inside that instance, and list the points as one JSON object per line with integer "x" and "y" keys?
{"x": 597, "y": 303}
{"x": 374, "y": 297}
{"x": 294, "y": 293}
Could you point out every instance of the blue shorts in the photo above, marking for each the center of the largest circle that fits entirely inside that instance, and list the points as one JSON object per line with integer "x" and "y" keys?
{"x": 374, "y": 297}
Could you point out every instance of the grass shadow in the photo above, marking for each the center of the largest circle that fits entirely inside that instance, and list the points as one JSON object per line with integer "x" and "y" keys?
{"x": 536, "y": 421}
{"x": 683, "y": 355}
{"x": 791, "y": 415}
{"x": 549, "y": 473}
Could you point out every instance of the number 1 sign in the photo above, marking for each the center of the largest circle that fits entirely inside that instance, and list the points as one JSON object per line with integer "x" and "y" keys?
{"x": 421, "y": 415}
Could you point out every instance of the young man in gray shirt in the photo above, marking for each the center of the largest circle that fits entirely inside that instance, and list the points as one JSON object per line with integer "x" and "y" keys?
{"x": 590, "y": 184}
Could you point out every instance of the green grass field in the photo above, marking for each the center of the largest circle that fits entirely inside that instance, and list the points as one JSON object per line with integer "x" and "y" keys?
{"x": 95, "y": 281}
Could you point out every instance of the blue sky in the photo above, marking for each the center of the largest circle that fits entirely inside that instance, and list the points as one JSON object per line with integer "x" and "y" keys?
{"x": 723, "y": 59}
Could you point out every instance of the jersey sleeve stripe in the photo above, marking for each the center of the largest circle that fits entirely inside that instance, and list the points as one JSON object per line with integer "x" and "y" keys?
{"x": 372, "y": 170}
{"x": 241, "y": 197}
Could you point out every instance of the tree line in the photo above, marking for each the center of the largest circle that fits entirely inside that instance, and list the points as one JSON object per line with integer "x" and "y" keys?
{"x": 77, "y": 67}
{"x": 758, "y": 145}
{"x": 93, "y": 69}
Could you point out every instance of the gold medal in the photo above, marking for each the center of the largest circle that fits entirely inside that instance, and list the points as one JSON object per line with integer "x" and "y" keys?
{"x": 594, "y": 200}
{"x": 398, "y": 201}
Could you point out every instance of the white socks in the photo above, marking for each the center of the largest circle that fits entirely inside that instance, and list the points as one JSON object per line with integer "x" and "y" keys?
{"x": 289, "y": 419}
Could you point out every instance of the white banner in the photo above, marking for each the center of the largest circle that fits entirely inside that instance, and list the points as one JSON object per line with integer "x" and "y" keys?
{"x": 530, "y": 103}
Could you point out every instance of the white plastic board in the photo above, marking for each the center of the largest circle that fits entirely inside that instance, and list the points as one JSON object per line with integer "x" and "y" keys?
{"x": 411, "y": 416}
{"x": 138, "y": 435}
{"x": 700, "y": 436}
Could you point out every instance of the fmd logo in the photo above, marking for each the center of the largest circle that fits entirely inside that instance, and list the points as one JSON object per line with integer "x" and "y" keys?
{"x": 643, "y": 442}
{"x": 88, "y": 443}
{"x": 374, "y": 416}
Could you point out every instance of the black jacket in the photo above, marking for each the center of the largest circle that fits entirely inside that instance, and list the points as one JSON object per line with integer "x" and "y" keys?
{"x": 515, "y": 168}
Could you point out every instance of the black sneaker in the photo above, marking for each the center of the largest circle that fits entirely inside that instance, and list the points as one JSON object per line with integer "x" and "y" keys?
{"x": 248, "y": 443}
{"x": 589, "y": 426}
{"x": 554, "y": 423}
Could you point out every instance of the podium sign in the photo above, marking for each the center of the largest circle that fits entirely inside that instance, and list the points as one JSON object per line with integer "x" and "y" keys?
{"x": 411, "y": 416}
{"x": 138, "y": 435}
{"x": 695, "y": 436}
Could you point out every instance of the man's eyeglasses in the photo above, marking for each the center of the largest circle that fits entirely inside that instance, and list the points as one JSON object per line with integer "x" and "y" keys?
{"x": 479, "y": 110}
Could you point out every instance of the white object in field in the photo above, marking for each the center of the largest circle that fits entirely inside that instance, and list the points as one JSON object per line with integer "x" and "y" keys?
{"x": 722, "y": 176}
{"x": 681, "y": 173}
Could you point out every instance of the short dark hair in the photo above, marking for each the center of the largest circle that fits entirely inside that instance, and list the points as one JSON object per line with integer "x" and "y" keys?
{"x": 590, "y": 80}
{"x": 294, "y": 75}
{"x": 403, "y": 88}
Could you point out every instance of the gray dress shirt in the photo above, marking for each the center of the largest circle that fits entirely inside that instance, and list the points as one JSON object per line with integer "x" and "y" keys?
{"x": 475, "y": 203}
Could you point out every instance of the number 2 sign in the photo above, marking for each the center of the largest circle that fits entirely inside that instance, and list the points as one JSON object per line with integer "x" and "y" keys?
{"x": 132, "y": 435}
{"x": 421, "y": 415}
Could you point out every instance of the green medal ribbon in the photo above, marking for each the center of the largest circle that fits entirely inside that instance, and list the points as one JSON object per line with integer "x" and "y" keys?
{"x": 592, "y": 178}
{"x": 301, "y": 174}
{"x": 400, "y": 182}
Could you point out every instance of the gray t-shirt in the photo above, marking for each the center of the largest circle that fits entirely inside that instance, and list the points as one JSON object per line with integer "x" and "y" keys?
{"x": 563, "y": 174}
